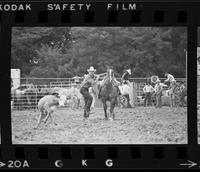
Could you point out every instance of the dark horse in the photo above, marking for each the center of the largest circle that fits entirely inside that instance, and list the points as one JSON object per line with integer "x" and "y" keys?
{"x": 109, "y": 92}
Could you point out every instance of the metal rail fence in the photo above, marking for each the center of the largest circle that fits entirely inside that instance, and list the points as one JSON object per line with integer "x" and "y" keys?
{"x": 31, "y": 90}
{"x": 198, "y": 89}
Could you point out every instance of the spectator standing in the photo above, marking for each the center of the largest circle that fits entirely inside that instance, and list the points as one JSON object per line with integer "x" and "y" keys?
{"x": 158, "y": 93}
{"x": 148, "y": 89}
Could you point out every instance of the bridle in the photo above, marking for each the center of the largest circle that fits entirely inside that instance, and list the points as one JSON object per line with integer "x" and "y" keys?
{"x": 110, "y": 75}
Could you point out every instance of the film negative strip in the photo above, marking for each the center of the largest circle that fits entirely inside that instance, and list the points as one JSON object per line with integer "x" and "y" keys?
{"x": 99, "y": 84}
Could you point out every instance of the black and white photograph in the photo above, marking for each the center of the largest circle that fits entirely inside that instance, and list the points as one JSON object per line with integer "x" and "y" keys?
{"x": 198, "y": 83}
{"x": 0, "y": 121}
{"x": 99, "y": 85}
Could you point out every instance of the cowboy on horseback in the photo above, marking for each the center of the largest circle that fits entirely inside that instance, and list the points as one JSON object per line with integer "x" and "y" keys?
{"x": 89, "y": 80}
{"x": 125, "y": 76}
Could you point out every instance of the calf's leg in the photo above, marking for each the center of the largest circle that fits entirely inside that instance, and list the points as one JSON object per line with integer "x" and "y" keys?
{"x": 50, "y": 116}
{"x": 39, "y": 120}
{"x": 47, "y": 116}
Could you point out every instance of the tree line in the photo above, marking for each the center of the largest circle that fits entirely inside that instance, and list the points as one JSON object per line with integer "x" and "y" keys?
{"x": 68, "y": 51}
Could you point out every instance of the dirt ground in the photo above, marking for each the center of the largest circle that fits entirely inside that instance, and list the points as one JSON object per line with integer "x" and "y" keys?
{"x": 140, "y": 125}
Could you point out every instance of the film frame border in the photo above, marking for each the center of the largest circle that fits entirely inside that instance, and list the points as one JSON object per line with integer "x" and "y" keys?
{"x": 147, "y": 156}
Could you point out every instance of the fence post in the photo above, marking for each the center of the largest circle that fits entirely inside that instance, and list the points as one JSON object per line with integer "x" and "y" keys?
{"x": 36, "y": 99}
{"x": 134, "y": 93}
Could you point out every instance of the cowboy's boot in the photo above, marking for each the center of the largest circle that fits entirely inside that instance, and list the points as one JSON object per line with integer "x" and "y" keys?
{"x": 86, "y": 114}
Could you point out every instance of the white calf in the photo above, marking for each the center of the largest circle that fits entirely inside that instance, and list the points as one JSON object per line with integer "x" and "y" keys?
{"x": 47, "y": 105}
{"x": 72, "y": 93}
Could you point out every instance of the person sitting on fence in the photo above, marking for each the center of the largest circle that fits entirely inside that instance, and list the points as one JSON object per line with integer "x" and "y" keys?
{"x": 148, "y": 89}
{"x": 170, "y": 79}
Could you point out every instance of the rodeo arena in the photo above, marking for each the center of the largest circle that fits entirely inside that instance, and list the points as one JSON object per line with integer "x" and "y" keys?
{"x": 51, "y": 111}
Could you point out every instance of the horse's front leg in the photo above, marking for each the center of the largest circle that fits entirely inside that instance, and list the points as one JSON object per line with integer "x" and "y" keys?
{"x": 105, "y": 110}
{"x": 112, "y": 106}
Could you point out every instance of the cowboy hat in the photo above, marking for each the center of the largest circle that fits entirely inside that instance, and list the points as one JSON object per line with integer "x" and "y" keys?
{"x": 91, "y": 69}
